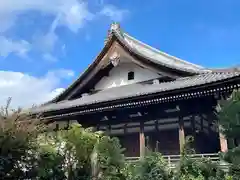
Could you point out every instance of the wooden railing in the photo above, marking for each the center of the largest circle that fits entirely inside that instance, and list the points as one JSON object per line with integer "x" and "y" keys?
{"x": 172, "y": 160}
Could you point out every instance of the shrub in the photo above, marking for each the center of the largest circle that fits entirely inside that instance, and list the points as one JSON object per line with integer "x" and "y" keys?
{"x": 91, "y": 154}
{"x": 151, "y": 167}
{"x": 18, "y": 133}
{"x": 199, "y": 168}
{"x": 110, "y": 158}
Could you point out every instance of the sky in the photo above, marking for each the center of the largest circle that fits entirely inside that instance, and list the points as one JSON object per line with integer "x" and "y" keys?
{"x": 46, "y": 44}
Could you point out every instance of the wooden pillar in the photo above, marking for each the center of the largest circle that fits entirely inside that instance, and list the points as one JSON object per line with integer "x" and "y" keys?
{"x": 223, "y": 140}
{"x": 142, "y": 139}
{"x": 181, "y": 134}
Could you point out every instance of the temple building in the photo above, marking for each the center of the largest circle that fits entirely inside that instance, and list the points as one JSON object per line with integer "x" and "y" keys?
{"x": 145, "y": 97}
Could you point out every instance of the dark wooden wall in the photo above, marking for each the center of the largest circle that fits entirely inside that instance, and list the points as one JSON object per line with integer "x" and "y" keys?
{"x": 166, "y": 141}
{"x": 131, "y": 144}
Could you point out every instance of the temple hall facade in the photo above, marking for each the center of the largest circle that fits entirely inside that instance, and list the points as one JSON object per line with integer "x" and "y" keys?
{"x": 146, "y": 97}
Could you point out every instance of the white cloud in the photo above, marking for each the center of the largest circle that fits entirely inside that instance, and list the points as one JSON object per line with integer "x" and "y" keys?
{"x": 27, "y": 90}
{"x": 8, "y": 46}
{"x": 68, "y": 13}
{"x": 75, "y": 15}
{"x": 61, "y": 73}
{"x": 71, "y": 14}
{"x": 114, "y": 13}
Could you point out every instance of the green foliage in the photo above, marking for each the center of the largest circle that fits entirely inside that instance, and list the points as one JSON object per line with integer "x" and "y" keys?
{"x": 193, "y": 168}
{"x": 17, "y": 143}
{"x": 150, "y": 167}
{"x": 229, "y": 118}
{"x": 110, "y": 158}
{"x": 51, "y": 157}
{"x": 232, "y": 157}
{"x": 28, "y": 153}
{"x": 229, "y": 115}
{"x": 78, "y": 146}
{"x": 129, "y": 171}
{"x": 199, "y": 168}
{"x": 50, "y": 164}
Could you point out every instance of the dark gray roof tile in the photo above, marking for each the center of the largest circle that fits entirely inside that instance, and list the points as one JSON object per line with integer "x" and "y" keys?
{"x": 134, "y": 90}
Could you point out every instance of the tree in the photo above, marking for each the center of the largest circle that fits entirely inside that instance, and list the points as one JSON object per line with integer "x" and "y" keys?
{"x": 194, "y": 168}
{"x": 229, "y": 115}
{"x": 110, "y": 158}
{"x": 229, "y": 118}
{"x": 29, "y": 151}
{"x": 18, "y": 133}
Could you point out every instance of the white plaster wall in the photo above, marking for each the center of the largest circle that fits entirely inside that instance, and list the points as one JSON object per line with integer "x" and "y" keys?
{"x": 118, "y": 76}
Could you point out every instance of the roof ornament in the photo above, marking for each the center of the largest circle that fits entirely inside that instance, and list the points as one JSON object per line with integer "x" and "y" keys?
{"x": 114, "y": 27}
{"x": 115, "y": 58}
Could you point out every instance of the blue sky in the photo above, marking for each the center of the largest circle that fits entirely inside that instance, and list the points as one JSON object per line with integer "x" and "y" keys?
{"x": 46, "y": 44}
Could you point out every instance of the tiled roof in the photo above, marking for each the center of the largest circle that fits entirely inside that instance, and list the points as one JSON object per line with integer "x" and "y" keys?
{"x": 159, "y": 57}
{"x": 135, "y": 90}
{"x": 142, "y": 50}
{"x": 155, "y": 55}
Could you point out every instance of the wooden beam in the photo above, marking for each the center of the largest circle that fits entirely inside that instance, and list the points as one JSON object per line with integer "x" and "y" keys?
{"x": 181, "y": 134}
{"x": 187, "y": 107}
{"x": 126, "y": 119}
{"x": 142, "y": 140}
{"x": 145, "y": 125}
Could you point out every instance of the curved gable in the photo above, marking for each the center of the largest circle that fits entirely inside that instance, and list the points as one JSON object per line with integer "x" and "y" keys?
{"x": 155, "y": 63}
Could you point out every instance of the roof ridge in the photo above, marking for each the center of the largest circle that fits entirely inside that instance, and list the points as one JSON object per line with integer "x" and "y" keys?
{"x": 116, "y": 33}
{"x": 130, "y": 42}
{"x": 163, "y": 53}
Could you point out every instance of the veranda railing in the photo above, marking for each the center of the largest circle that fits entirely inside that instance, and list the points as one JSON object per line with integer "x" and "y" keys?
{"x": 172, "y": 160}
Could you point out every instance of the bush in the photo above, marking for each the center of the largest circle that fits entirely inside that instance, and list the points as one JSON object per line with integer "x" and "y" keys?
{"x": 199, "y": 168}
{"x": 110, "y": 158}
{"x": 18, "y": 133}
{"x": 28, "y": 151}
{"x": 150, "y": 167}
{"x": 195, "y": 168}
{"x": 232, "y": 157}
{"x": 90, "y": 154}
